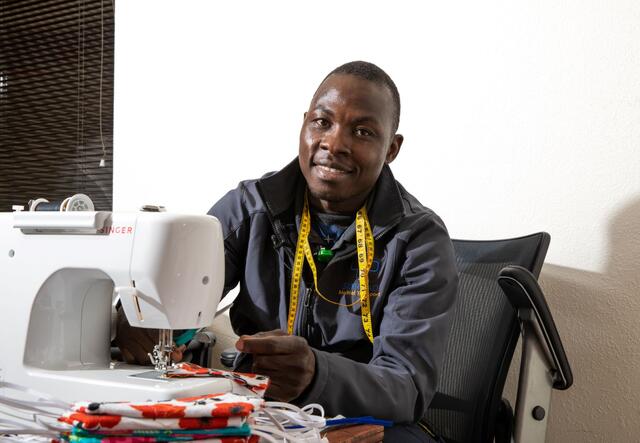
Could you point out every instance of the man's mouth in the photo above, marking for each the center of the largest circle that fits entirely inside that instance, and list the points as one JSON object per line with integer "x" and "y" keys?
{"x": 331, "y": 171}
{"x": 332, "y": 166}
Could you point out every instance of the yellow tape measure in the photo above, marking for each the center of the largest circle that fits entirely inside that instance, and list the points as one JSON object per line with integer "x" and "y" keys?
{"x": 364, "y": 243}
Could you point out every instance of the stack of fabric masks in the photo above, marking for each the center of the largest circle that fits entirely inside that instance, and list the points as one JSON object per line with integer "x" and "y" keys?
{"x": 220, "y": 418}
{"x": 240, "y": 416}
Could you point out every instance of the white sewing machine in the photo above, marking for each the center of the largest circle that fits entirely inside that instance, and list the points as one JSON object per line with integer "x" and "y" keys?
{"x": 58, "y": 274}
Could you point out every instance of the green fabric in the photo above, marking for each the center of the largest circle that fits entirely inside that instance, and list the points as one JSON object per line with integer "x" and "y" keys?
{"x": 83, "y": 436}
{"x": 185, "y": 337}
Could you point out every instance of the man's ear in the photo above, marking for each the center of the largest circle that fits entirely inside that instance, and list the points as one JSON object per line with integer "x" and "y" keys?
{"x": 304, "y": 116}
{"x": 394, "y": 148}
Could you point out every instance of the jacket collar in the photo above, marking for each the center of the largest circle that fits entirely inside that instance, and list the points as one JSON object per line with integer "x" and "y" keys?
{"x": 280, "y": 191}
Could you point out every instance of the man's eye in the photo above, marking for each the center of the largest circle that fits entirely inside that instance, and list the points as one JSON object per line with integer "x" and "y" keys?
{"x": 321, "y": 123}
{"x": 362, "y": 132}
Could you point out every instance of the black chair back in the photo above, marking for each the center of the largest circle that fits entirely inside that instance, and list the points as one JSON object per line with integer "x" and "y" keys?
{"x": 484, "y": 334}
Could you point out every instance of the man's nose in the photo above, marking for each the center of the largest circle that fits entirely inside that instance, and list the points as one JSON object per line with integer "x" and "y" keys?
{"x": 336, "y": 142}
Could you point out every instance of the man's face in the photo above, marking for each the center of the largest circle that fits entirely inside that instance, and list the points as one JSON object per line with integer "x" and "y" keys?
{"x": 346, "y": 138}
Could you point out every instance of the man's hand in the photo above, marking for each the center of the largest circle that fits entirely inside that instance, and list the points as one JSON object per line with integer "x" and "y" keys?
{"x": 136, "y": 343}
{"x": 178, "y": 353}
{"x": 287, "y": 359}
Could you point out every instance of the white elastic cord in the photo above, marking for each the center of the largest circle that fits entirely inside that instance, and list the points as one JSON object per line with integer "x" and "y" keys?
{"x": 29, "y": 406}
{"x": 19, "y": 414}
{"x": 31, "y": 425}
{"x": 41, "y": 396}
{"x": 15, "y": 427}
{"x": 28, "y": 431}
{"x": 273, "y": 420}
{"x": 276, "y": 420}
{"x": 308, "y": 421}
{"x": 311, "y": 407}
{"x": 297, "y": 416}
{"x": 25, "y": 438}
{"x": 37, "y": 417}
{"x": 32, "y": 420}
{"x": 12, "y": 431}
{"x": 55, "y": 426}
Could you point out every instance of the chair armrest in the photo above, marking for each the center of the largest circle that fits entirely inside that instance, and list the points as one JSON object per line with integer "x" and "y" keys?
{"x": 524, "y": 293}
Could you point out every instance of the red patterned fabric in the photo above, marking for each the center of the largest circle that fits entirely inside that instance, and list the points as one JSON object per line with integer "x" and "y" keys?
{"x": 257, "y": 384}
{"x": 117, "y": 423}
{"x": 210, "y": 405}
{"x": 198, "y": 438}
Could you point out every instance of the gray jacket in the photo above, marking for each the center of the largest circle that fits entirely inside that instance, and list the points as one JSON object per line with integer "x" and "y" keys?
{"x": 413, "y": 284}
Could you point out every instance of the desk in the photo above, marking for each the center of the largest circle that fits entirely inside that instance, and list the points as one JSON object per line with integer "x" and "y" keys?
{"x": 356, "y": 434}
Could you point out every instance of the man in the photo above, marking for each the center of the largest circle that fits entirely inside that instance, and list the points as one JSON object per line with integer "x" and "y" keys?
{"x": 347, "y": 282}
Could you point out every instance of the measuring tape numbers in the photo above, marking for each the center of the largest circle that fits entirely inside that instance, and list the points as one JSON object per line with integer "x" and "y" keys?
{"x": 365, "y": 251}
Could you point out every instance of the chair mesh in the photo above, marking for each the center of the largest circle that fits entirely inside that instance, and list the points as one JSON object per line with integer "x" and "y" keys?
{"x": 481, "y": 339}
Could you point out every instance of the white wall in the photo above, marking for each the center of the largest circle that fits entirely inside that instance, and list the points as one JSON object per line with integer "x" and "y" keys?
{"x": 518, "y": 117}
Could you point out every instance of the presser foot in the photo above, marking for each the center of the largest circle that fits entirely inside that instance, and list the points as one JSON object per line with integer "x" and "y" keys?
{"x": 161, "y": 355}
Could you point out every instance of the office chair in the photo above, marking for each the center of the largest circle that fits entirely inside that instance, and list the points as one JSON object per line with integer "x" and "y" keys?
{"x": 499, "y": 300}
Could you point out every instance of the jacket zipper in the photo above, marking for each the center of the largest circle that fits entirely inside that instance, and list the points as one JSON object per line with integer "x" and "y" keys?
{"x": 303, "y": 325}
{"x": 308, "y": 307}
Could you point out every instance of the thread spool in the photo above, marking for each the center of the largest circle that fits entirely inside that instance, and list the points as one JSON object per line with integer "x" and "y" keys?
{"x": 77, "y": 202}
{"x": 48, "y": 206}
{"x": 33, "y": 204}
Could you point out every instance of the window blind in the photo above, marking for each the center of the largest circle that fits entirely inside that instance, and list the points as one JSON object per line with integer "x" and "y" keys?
{"x": 56, "y": 100}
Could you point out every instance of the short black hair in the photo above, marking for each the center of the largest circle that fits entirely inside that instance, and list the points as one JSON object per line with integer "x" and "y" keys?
{"x": 375, "y": 74}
